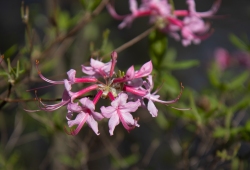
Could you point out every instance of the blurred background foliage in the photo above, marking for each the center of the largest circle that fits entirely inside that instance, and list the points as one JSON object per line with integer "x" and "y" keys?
{"x": 62, "y": 34}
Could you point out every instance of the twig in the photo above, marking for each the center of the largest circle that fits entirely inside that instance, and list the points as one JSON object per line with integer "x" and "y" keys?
{"x": 135, "y": 40}
{"x": 34, "y": 99}
{"x": 153, "y": 146}
{"x": 16, "y": 134}
{"x": 8, "y": 95}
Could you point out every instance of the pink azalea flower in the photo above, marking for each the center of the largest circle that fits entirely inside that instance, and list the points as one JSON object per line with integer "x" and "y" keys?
{"x": 120, "y": 111}
{"x": 86, "y": 114}
{"x": 222, "y": 58}
{"x": 192, "y": 28}
{"x": 145, "y": 93}
{"x": 65, "y": 101}
{"x": 97, "y": 68}
{"x": 131, "y": 74}
{"x": 109, "y": 86}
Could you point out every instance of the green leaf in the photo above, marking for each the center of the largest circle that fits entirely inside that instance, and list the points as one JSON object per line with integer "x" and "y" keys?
{"x": 63, "y": 20}
{"x": 17, "y": 69}
{"x": 91, "y": 32}
{"x": 162, "y": 121}
{"x": 9, "y": 65}
{"x": 238, "y": 42}
{"x": 223, "y": 154}
{"x": 220, "y": 132}
{"x": 3, "y": 73}
{"x": 247, "y": 126}
{"x": 11, "y": 51}
{"x": 170, "y": 55}
{"x": 181, "y": 64}
{"x": 214, "y": 76}
{"x": 90, "y": 5}
{"x": 158, "y": 46}
{"x": 195, "y": 111}
{"x": 238, "y": 81}
{"x": 132, "y": 159}
{"x": 235, "y": 164}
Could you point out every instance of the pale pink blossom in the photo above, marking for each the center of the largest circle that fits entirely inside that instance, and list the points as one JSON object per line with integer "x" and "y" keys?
{"x": 97, "y": 68}
{"x": 86, "y": 114}
{"x": 145, "y": 93}
{"x": 131, "y": 74}
{"x": 119, "y": 111}
{"x": 185, "y": 25}
{"x": 126, "y": 92}
{"x": 222, "y": 58}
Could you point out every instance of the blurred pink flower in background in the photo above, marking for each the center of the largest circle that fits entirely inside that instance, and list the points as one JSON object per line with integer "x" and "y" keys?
{"x": 224, "y": 59}
{"x": 185, "y": 25}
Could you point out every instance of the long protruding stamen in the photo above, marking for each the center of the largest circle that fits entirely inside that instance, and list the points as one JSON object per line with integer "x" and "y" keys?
{"x": 134, "y": 91}
{"x": 44, "y": 78}
{"x": 171, "y": 101}
{"x": 83, "y": 91}
{"x": 40, "y": 87}
{"x": 97, "y": 97}
{"x": 114, "y": 60}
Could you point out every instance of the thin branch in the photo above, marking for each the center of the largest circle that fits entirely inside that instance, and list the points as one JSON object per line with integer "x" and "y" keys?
{"x": 35, "y": 99}
{"x": 135, "y": 40}
{"x": 8, "y": 95}
{"x": 150, "y": 152}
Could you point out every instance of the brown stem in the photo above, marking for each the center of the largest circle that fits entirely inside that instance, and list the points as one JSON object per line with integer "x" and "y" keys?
{"x": 34, "y": 99}
{"x": 135, "y": 40}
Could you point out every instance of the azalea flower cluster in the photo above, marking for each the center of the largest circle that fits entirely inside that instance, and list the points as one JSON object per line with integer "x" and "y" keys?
{"x": 126, "y": 92}
{"x": 185, "y": 25}
{"x": 224, "y": 59}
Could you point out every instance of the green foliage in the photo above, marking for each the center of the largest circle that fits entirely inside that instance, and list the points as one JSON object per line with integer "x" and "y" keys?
{"x": 239, "y": 43}
{"x": 13, "y": 73}
{"x": 90, "y": 5}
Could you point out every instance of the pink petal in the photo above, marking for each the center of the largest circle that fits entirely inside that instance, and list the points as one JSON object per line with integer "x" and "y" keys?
{"x": 88, "y": 70}
{"x": 150, "y": 81}
{"x": 67, "y": 85}
{"x": 97, "y": 116}
{"x": 113, "y": 122}
{"x": 145, "y": 70}
{"x": 74, "y": 107}
{"x": 71, "y": 74}
{"x": 87, "y": 103}
{"x": 120, "y": 100}
{"x": 129, "y": 120}
{"x": 113, "y": 12}
{"x": 79, "y": 118}
{"x": 135, "y": 82}
{"x": 93, "y": 124}
{"x": 152, "y": 109}
{"x": 96, "y": 64}
{"x": 108, "y": 111}
{"x": 133, "y": 6}
{"x": 131, "y": 106}
{"x": 130, "y": 73}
